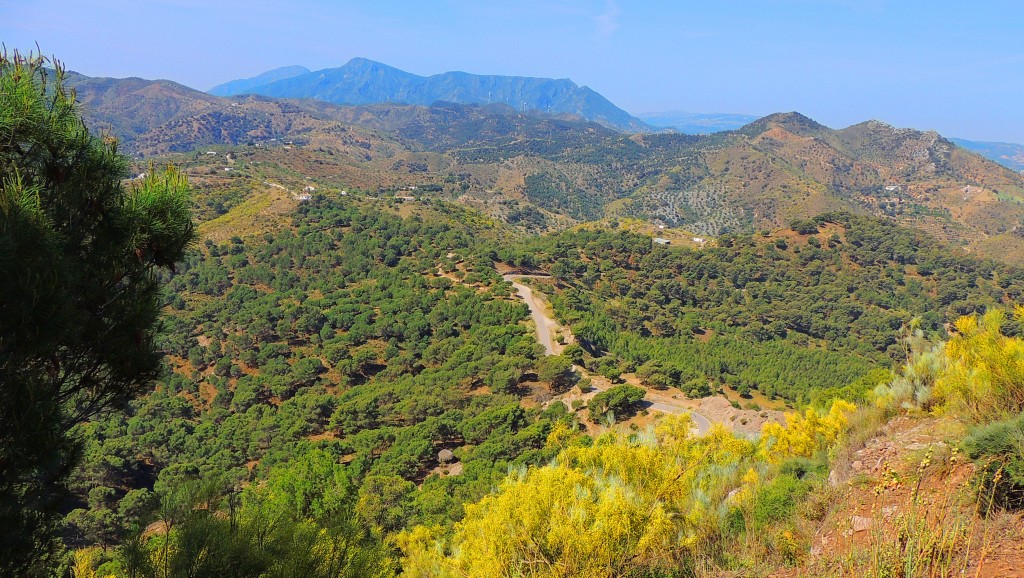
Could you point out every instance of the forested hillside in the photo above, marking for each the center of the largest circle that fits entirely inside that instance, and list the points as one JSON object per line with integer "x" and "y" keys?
{"x": 370, "y": 346}
{"x": 790, "y": 313}
{"x": 351, "y": 386}
{"x": 380, "y": 339}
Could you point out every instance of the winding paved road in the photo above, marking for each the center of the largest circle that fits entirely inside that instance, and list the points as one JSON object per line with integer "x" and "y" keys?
{"x": 701, "y": 423}
{"x": 546, "y": 327}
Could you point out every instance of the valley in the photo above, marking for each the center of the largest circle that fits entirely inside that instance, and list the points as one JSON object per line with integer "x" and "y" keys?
{"x": 388, "y": 331}
{"x": 781, "y": 313}
{"x": 438, "y": 339}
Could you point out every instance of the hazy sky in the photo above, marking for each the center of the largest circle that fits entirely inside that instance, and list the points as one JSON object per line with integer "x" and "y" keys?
{"x": 957, "y": 67}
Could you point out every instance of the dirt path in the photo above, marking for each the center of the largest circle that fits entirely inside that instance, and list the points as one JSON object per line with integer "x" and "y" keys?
{"x": 547, "y": 326}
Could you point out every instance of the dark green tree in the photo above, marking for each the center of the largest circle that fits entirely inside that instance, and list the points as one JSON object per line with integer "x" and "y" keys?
{"x": 80, "y": 255}
{"x": 620, "y": 399}
{"x": 557, "y": 370}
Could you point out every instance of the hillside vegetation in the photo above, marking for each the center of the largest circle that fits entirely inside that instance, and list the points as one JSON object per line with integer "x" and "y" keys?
{"x": 544, "y": 172}
{"x": 360, "y": 378}
{"x": 663, "y": 503}
{"x": 792, "y": 314}
{"x": 353, "y": 388}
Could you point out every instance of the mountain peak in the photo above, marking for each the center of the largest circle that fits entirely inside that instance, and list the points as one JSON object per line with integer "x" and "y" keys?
{"x": 360, "y": 63}
{"x": 793, "y": 122}
{"x": 878, "y": 124}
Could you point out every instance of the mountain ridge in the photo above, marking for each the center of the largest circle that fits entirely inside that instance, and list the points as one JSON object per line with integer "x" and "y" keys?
{"x": 363, "y": 81}
{"x": 781, "y": 167}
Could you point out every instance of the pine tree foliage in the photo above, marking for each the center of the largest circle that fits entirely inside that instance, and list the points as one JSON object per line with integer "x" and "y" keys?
{"x": 300, "y": 523}
{"x": 80, "y": 300}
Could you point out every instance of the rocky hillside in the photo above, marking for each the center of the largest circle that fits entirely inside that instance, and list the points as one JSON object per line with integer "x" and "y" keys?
{"x": 130, "y": 107}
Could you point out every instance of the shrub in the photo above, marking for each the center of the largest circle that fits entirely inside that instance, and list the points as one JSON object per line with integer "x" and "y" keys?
{"x": 800, "y": 467}
{"x": 805, "y": 434}
{"x": 804, "y": 227}
{"x": 998, "y": 448}
{"x": 984, "y": 378}
{"x": 557, "y": 370}
{"x": 777, "y": 500}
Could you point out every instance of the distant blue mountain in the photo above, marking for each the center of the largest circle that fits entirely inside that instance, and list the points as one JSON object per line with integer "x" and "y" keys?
{"x": 363, "y": 81}
{"x": 246, "y": 85}
{"x": 1010, "y": 155}
{"x": 697, "y": 123}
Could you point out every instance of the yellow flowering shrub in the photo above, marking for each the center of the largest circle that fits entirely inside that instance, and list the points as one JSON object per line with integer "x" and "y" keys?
{"x": 84, "y": 564}
{"x": 983, "y": 377}
{"x": 626, "y": 505}
{"x": 804, "y": 434}
{"x": 622, "y": 504}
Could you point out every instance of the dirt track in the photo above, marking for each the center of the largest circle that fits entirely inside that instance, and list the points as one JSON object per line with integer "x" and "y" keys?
{"x": 546, "y": 327}
{"x": 545, "y": 324}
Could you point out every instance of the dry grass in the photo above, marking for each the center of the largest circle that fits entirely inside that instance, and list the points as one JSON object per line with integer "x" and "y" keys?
{"x": 900, "y": 504}
{"x": 262, "y": 212}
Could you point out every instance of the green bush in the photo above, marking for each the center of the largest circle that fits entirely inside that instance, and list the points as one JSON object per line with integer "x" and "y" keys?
{"x": 800, "y": 468}
{"x": 777, "y": 500}
{"x": 804, "y": 227}
{"x": 557, "y": 370}
{"x": 734, "y": 525}
{"x": 998, "y": 450}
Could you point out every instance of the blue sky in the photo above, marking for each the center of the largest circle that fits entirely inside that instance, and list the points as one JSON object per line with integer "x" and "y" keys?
{"x": 957, "y": 67}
